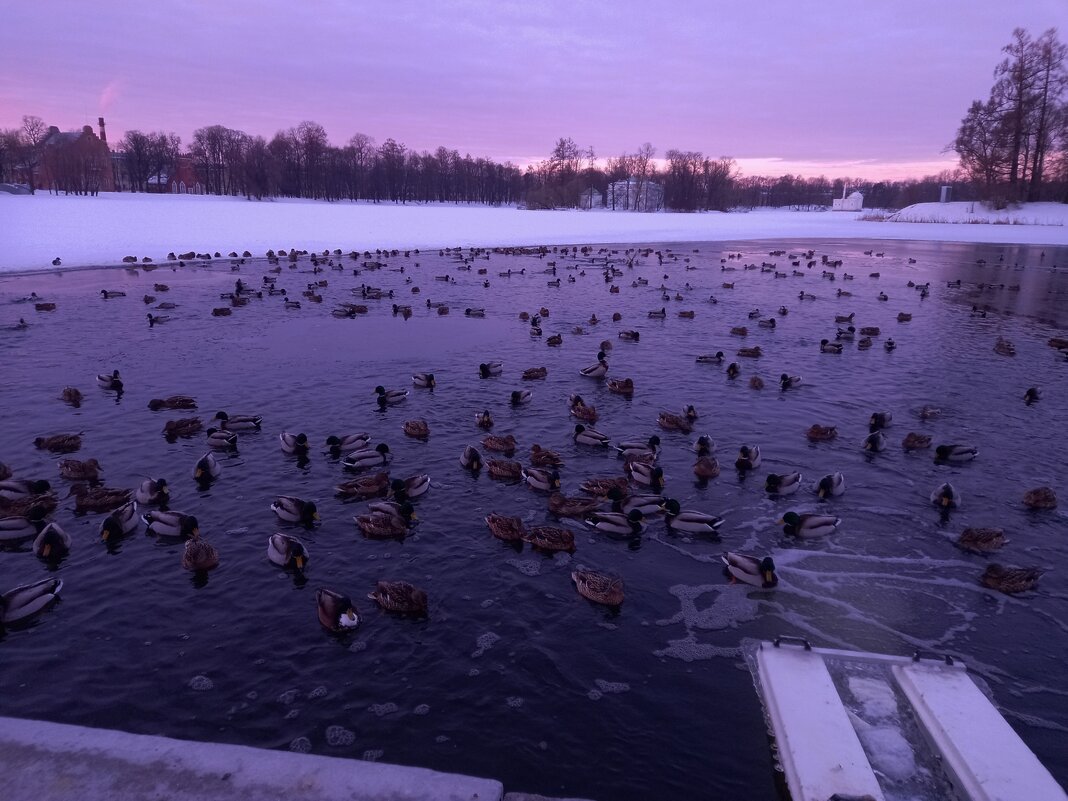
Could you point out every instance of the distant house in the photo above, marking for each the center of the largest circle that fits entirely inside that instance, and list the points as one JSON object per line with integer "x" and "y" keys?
{"x": 635, "y": 195}
{"x": 591, "y": 199}
{"x": 76, "y": 162}
{"x": 853, "y": 202}
{"x": 182, "y": 180}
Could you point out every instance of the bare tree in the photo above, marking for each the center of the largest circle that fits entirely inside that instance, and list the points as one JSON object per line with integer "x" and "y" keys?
{"x": 135, "y": 147}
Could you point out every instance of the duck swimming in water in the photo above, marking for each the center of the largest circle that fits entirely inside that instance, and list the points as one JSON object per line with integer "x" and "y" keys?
{"x": 750, "y": 570}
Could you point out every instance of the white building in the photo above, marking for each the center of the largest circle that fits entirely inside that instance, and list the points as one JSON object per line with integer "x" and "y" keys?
{"x": 854, "y": 202}
{"x": 633, "y": 195}
{"x": 590, "y": 199}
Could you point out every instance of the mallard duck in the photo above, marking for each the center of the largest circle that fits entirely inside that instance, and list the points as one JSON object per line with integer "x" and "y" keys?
{"x": 534, "y": 373}
{"x": 484, "y": 420}
{"x": 756, "y": 382}
{"x": 207, "y": 468}
{"x": 221, "y": 440}
{"x": 504, "y": 469}
{"x": 981, "y": 540}
{"x": 787, "y": 381}
{"x": 550, "y": 538}
{"x": 295, "y": 510}
{"x": 338, "y": 446}
{"x": 424, "y": 380}
{"x": 848, "y": 334}
{"x": 98, "y": 499}
{"x": 658, "y": 314}
{"x": 623, "y": 503}
{"x": 1032, "y": 395}
{"x": 716, "y": 358}
{"x": 674, "y": 422}
{"x": 489, "y": 369}
{"x": 706, "y": 465}
{"x": 419, "y": 429}
{"x": 748, "y": 457}
{"x": 915, "y": 442}
{"x": 630, "y": 336}
{"x": 875, "y": 442}
{"x": 733, "y": 370}
{"x": 239, "y": 422}
{"x": 581, "y": 411}
{"x": 946, "y": 496}
{"x": 52, "y": 543}
{"x": 400, "y": 597}
{"x": 381, "y": 526}
{"x": 505, "y": 444}
{"x": 410, "y": 487}
{"x": 864, "y": 343}
{"x": 336, "y": 611}
{"x": 563, "y": 506}
{"x": 509, "y": 529}
{"x": 555, "y": 340}
{"x": 808, "y": 526}
{"x": 826, "y": 346}
{"x": 172, "y": 402}
{"x": 889, "y": 345}
{"x": 182, "y": 427}
{"x": 18, "y": 528}
{"x": 75, "y": 470}
{"x": 520, "y": 397}
{"x": 366, "y": 487}
{"x": 389, "y": 397}
{"x": 368, "y": 457}
{"x": 110, "y": 382}
{"x": 598, "y": 587}
{"x": 587, "y": 435}
{"x": 1010, "y": 580}
{"x": 1004, "y": 347}
{"x": 750, "y": 570}
{"x": 679, "y": 519}
{"x": 767, "y": 323}
{"x": 544, "y": 457}
{"x": 173, "y": 525}
{"x": 120, "y": 522}
{"x": 831, "y": 485}
{"x": 22, "y": 604}
{"x": 541, "y": 479}
{"x": 645, "y": 474}
{"x": 73, "y": 396}
{"x": 602, "y": 487}
{"x": 632, "y": 523}
{"x": 108, "y": 294}
{"x": 880, "y": 420}
{"x": 752, "y": 353}
{"x": 929, "y": 413}
{"x": 782, "y": 484}
{"x": 199, "y": 555}
{"x": 818, "y": 433}
{"x": 1041, "y": 498}
{"x": 598, "y": 370}
{"x": 18, "y": 488}
{"x": 955, "y": 453}
{"x": 740, "y": 331}
{"x": 471, "y": 459}
{"x": 59, "y": 443}
{"x": 632, "y": 449}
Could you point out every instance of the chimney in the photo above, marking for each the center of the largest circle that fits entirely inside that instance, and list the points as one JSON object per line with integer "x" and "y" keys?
{"x": 103, "y": 136}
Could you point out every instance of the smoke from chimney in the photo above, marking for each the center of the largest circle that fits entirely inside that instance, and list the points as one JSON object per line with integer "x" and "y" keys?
{"x": 103, "y": 136}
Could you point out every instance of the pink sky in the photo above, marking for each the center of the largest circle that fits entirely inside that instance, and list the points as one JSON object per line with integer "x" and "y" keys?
{"x": 834, "y": 87}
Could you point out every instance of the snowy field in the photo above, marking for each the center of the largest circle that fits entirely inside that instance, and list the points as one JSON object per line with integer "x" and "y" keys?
{"x": 102, "y": 230}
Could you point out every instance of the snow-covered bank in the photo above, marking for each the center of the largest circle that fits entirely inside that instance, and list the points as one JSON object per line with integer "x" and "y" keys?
{"x": 1055, "y": 214}
{"x": 101, "y": 230}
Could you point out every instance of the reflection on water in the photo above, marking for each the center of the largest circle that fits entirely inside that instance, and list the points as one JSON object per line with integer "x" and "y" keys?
{"x": 514, "y": 675}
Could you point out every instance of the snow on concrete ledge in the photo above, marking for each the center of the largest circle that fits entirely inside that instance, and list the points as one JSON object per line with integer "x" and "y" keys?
{"x": 1055, "y": 214}
{"x": 56, "y": 762}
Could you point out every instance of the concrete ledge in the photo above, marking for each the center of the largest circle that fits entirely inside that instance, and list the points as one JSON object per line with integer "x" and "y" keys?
{"x": 43, "y": 761}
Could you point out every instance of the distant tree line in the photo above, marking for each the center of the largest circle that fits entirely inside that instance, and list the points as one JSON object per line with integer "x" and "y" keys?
{"x": 1014, "y": 145}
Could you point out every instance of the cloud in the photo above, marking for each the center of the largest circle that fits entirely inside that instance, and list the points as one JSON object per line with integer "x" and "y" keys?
{"x": 109, "y": 94}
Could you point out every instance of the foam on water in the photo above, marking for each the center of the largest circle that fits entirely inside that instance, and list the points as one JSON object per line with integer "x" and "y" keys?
{"x": 201, "y": 684}
{"x": 339, "y": 737}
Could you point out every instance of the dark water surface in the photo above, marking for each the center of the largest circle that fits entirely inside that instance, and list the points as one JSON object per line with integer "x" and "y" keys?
{"x": 514, "y": 675}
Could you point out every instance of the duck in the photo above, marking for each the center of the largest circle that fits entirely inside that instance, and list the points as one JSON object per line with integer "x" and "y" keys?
{"x": 107, "y": 294}
{"x": 598, "y": 587}
{"x": 419, "y": 429}
{"x": 598, "y": 370}
{"x": 221, "y": 440}
{"x": 365, "y": 487}
{"x": 519, "y": 397}
{"x": 207, "y": 468}
{"x": 647, "y": 504}
{"x": 509, "y": 529}
{"x": 955, "y": 454}
{"x": 580, "y": 411}
{"x": 336, "y": 611}
{"x": 889, "y": 345}
{"x": 716, "y": 358}
{"x": 602, "y": 487}
{"x": 182, "y": 427}
{"x": 542, "y": 479}
{"x": 879, "y": 420}
{"x": 915, "y": 442}
{"x": 402, "y": 511}
{"x": 555, "y": 340}
{"x": 875, "y": 442}
{"x": 410, "y": 487}
{"x": 471, "y": 459}
{"x": 73, "y": 396}
{"x": 173, "y": 525}
{"x": 864, "y": 343}
{"x": 827, "y": 346}
{"x": 733, "y": 370}
{"x": 75, "y": 470}
{"x": 534, "y": 373}
{"x": 636, "y": 449}
{"x": 368, "y": 457}
{"x": 22, "y": 604}
{"x": 748, "y": 458}
{"x": 848, "y": 334}
{"x": 679, "y": 519}
{"x": 621, "y": 386}
{"x": 120, "y": 522}
{"x": 495, "y": 442}
{"x": 344, "y": 444}
{"x": 1010, "y": 580}
{"x": 751, "y": 353}
{"x": 59, "y": 443}
{"x": 544, "y": 457}
{"x": 18, "y": 488}
{"x": 15, "y": 529}
{"x": 630, "y": 336}
{"x": 818, "y": 433}
{"x": 294, "y": 443}
{"x": 782, "y": 484}
{"x": 489, "y": 369}
{"x": 1032, "y": 395}
{"x": 704, "y": 443}
{"x": 587, "y": 435}
{"x": 550, "y": 538}
{"x": 768, "y": 323}
{"x": 1040, "y": 498}
{"x": 504, "y": 469}
{"x": 400, "y": 597}
{"x": 929, "y": 413}
{"x": 740, "y": 331}
{"x": 787, "y": 381}
{"x": 292, "y": 509}
{"x": 98, "y": 499}
{"x": 946, "y": 496}
{"x": 658, "y": 314}
{"x": 756, "y": 382}
{"x": 706, "y": 465}
{"x": 172, "y": 402}
{"x": 632, "y": 523}
{"x": 1004, "y": 347}
{"x": 380, "y": 526}
{"x": 474, "y": 312}
{"x": 390, "y": 397}
{"x": 831, "y": 485}
{"x": 110, "y": 382}
{"x": 806, "y": 526}
{"x": 52, "y": 543}
{"x": 674, "y": 422}
{"x": 238, "y": 422}
{"x": 981, "y": 540}
{"x": 424, "y": 380}
{"x": 758, "y": 572}
{"x": 484, "y": 419}
{"x": 645, "y": 474}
